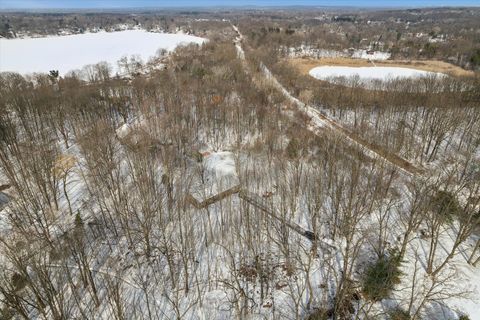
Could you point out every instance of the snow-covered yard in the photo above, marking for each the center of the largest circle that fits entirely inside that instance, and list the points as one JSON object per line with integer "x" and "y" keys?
{"x": 67, "y": 53}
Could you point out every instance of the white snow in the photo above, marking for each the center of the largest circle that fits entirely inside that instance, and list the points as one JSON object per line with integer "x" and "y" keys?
{"x": 67, "y": 53}
{"x": 319, "y": 53}
{"x": 366, "y": 73}
{"x": 221, "y": 165}
{"x": 219, "y": 173}
{"x": 375, "y": 55}
{"x": 461, "y": 280}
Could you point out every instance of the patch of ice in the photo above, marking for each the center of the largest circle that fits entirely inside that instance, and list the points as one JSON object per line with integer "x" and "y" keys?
{"x": 367, "y": 73}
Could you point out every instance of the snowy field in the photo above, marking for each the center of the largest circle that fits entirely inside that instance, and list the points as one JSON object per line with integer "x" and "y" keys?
{"x": 367, "y": 73}
{"x": 67, "y": 53}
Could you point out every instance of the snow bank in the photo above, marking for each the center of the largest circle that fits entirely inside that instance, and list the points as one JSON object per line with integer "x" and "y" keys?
{"x": 72, "y": 52}
{"x": 366, "y": 73}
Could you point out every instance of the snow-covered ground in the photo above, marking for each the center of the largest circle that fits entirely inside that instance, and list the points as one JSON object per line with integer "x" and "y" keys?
{"x": 308, "y": 51}
{"x": 67, "y": 53}
{"x": 319, "y": 53}
{"x": 369, "y": 55}
{"x": 366, "y": 73}
{"x": 221, "y": 165}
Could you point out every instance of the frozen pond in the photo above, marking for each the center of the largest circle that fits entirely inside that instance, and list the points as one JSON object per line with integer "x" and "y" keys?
{"x": 67, "y": 53}
{"x": 366, "y": 74}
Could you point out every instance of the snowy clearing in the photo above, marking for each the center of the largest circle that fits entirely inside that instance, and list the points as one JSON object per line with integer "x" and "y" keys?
{"x": 72, "y": 52}
{"x": 367, "y": 73}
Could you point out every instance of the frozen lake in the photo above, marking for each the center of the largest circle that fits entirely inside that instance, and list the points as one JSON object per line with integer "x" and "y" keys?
{"x": 367, "y": 73}
{"x": 67, "y": 53}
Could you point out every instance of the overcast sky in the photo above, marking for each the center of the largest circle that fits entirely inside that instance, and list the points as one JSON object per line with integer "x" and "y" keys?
{"x": 64, "y": 4}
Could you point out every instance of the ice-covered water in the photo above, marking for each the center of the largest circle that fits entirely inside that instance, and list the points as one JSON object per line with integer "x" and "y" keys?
{"x": 366, "y": 73}
{"x": 67, "y": 53}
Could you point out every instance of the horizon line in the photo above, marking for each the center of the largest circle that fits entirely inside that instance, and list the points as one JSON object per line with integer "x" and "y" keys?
{"x": 242, "y": 6}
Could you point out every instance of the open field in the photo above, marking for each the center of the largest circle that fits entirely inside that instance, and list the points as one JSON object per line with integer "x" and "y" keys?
{"x": 306, "y": 64}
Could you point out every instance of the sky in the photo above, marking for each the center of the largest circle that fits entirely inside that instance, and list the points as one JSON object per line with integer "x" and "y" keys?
{"x": 118, "y": 4}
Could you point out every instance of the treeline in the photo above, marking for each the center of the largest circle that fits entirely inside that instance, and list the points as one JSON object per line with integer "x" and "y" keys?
{"x": 407, "y": 35}
{"x": 17, "y": 24}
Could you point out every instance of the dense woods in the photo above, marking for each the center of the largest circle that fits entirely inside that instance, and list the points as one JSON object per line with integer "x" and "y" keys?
{"x": 202, "y": 191}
